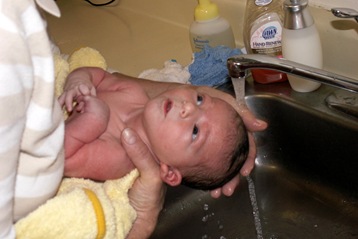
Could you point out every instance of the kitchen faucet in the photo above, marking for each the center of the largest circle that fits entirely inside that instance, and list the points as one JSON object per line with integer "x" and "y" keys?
{"x": 238, "y": 67}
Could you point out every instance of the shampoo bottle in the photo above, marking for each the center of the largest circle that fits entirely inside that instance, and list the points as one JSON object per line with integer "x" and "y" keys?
{"x": 262, "y": 35}
{"x": 301, "y": 42}
{"x": 209, "y": 28}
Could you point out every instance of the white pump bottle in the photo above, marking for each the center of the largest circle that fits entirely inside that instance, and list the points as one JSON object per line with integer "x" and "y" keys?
{"x": 301, "y": 42}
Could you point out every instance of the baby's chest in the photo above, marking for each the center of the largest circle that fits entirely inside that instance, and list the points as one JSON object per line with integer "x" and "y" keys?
{"x": 122, "y": 108}
{"x": 120, "y": 104}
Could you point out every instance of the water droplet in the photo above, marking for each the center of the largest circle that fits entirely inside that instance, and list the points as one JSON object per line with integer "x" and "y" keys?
{"x": 182, "y": 206}
{"x": 206, "y": 207}
{"x": 274, "y": 237}
{"x": 205, "y": 218}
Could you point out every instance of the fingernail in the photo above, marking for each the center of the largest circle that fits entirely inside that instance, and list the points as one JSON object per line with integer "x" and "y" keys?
{"x": 128, "y": 136}
{"x": 229, "y": 191}
{"x": 246, "y": 173}
{"x": 259, "y": 122}
{"x": 215, "y": 193}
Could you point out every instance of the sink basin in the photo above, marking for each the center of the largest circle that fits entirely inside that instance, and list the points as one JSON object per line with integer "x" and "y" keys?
{"x": 305, "y": 178}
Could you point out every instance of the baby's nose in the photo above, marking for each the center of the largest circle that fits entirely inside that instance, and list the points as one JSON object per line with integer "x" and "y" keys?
{"x": 187, "y": 109}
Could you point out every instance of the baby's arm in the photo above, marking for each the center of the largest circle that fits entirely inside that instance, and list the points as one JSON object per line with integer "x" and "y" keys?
{"x": 85, "y": 124}
{"x": 82, "y": 81}
{"x": 89, "y": 80}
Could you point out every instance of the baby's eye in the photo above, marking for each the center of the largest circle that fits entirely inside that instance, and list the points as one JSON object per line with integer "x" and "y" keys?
{"x": 199, "y": 99}
{"x": 195, "y": 132}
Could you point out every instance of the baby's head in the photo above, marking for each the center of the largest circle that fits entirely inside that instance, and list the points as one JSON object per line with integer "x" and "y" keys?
{"x": 198, "y": 138}
{"x": 225, "y": 166}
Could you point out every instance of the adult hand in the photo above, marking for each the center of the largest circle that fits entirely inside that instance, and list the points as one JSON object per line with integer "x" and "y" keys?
{"x": 252, "y": 125}
{"x": 148, "y": 191}
{"x": 229, "y": 188}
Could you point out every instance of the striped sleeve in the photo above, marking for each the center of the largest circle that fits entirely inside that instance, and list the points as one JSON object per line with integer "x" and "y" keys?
{"x": 31, "y": 124}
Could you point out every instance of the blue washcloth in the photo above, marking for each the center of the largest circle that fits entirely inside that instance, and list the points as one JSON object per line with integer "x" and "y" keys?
{"x": 209, "y": 66}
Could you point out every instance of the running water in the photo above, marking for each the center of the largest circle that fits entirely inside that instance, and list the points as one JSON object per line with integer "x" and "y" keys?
{"x": 239, "y": 87}
{"x": 255, "y": 208}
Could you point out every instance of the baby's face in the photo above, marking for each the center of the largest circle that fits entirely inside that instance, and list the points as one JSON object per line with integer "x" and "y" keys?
{"x": 185, "y": 127}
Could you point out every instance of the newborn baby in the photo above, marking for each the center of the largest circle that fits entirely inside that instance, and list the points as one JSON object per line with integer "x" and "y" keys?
{"x": 198, "y": 139}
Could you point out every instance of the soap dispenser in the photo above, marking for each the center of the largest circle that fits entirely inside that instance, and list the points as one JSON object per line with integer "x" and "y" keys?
{"x": 209, "y": 28}
{"x": 262, "y": 34}
{"x": 301, "y": 42}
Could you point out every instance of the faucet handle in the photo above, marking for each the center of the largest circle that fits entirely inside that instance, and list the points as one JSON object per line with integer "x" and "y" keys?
{"x": 345, "y": 13}
{"x": 346, "y": 102}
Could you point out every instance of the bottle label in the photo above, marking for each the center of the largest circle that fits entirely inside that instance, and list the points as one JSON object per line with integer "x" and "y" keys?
{"x": 200, "y": 42}
{"x": 267, "y": 39}
{"x": 225, "y": 38}
{"x": 262, "y": 2}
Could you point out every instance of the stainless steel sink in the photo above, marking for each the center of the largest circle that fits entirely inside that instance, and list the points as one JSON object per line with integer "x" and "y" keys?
{"x": 306, "y": 179}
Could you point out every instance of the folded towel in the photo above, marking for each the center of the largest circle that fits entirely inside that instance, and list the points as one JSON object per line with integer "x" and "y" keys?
{"x": 209, "y": 65}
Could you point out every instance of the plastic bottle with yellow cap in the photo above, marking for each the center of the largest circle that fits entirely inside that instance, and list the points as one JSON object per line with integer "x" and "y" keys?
{"x": 209, "y": 28}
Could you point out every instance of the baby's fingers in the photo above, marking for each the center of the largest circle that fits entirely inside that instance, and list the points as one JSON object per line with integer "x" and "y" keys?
{"x": 86, "y": 90}
{"x": 61, "y": 99}
{"x": 80, "y": 107}
{"x": 66, "y": 99}
{"x": 69, "y": 101}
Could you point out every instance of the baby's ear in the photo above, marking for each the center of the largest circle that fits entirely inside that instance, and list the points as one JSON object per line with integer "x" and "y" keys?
{"x": 170, "y": 175}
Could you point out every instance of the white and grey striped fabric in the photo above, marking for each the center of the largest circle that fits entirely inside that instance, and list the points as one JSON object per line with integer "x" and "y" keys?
{"x": 31, "y": 123}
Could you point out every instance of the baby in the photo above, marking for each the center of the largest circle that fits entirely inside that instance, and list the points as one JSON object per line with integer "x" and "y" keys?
{"x": 198, "y": 139}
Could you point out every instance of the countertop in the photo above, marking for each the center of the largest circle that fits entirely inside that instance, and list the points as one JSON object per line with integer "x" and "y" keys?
{"x": 131, "y": 41}
{"x": 135, "y": 35}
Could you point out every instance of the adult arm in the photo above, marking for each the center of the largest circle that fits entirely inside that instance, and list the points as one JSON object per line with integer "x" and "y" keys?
{"x": 148, "y": 191}
{"x": 31, "y": 126}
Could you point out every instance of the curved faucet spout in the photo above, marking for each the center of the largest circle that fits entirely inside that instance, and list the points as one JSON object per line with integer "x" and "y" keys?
{"x": 239, "y": 65}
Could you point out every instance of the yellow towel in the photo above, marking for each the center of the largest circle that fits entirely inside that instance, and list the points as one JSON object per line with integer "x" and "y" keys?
{"x": 72, "y": 213}
{"x": 86, "y": 56}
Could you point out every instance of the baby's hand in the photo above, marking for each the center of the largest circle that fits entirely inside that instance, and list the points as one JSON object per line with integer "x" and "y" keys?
{"x": 73, "y": 91}
{"x": 92, "y": 106}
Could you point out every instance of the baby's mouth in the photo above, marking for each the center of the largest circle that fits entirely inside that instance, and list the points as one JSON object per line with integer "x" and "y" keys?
{"x": 167, "y": 106}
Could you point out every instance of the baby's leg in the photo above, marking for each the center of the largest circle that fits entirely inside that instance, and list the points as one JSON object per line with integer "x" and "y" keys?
{"x": 87, "y": 122}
